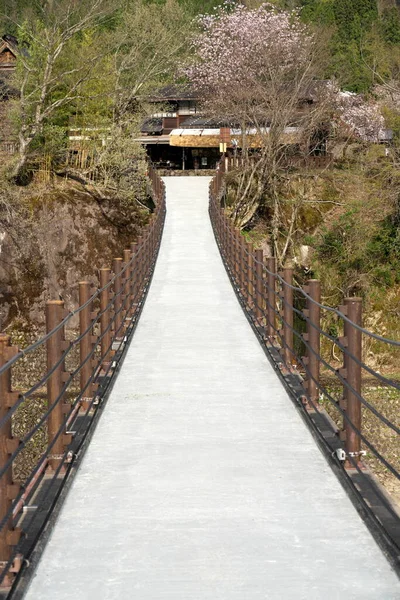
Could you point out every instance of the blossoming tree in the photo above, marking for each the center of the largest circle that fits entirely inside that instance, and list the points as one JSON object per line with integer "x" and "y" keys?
{"x": 257, "y": 68}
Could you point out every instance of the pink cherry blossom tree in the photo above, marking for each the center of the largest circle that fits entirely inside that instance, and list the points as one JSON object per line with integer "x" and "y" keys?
{"x": 361, "y": 117}
{"x": 256, "y": 68}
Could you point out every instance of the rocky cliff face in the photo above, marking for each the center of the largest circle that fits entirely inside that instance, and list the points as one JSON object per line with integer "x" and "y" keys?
{"x": 49, "y": 244}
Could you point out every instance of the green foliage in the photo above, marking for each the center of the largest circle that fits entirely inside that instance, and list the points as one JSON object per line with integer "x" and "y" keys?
{"x": 354, "y": 17}
{"x": 364, "y": 254}
{"x": 361, "y": 40}
{"x": 390, "y": 25}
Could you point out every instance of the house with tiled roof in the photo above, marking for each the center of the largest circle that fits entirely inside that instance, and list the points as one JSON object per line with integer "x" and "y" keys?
{"x": 179, "y": 136}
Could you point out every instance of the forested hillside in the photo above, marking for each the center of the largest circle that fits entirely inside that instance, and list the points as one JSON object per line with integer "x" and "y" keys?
{"x": 95, "y": 65}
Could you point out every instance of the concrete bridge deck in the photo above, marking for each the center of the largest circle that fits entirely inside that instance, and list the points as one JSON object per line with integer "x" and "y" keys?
{"x": 201, "y": 481}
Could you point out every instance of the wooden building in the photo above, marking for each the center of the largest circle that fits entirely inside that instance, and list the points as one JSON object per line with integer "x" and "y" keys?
{"x": 178, "y": 136}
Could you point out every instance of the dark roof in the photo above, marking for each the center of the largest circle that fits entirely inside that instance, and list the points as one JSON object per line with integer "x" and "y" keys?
{"x": 11, "y": 42}
{"x": 174, "y": 92}
{"x": 152, "y": 125}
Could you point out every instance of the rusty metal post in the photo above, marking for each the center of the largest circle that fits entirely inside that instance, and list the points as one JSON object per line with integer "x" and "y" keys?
{"x": 313, "y": 338}
{"x": 105, "y": 315}
{"x": 54, "y": 346}
{"x": 86, "y": 343}
{"x": 352, "y": 372}
{"x": 271, "y": 298}
{"x": 250, "y": 273}
{"x": 259, "y": 308}
{"x": 117, "y": 268}
{"x": 287, "y": 315}
{"x": 8, "y": 445}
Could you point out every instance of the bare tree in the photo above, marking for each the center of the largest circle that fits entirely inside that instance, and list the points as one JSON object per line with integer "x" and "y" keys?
{"x": 146, "y": 50}
{"x": 48, "y": 77}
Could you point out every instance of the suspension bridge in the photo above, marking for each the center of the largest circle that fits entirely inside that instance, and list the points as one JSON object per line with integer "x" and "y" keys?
{"x": 201, "y": 479}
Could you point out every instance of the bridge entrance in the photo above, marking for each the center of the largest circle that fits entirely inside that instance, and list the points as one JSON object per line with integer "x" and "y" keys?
{"x": 201, "y": 480}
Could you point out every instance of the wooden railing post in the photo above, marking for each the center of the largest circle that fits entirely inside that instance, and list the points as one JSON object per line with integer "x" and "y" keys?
{"x": 287, "y": 315}
{"x": 134, "y": 278}
{"x": 237, "y": 256}
{"x": 8, "y": 490}
{"x": 271, "y": 297}
{"x": 221, "y": 234}
{"x": 231, "y": 248}
{"x": 86, "y": 344}
{"x": 127, "y": 288}
{"x": 117, "y": 268}
{"x": 313, "y": 339}
{"x": 352, "y": 309}
{"x": 140, "y": 251}
{"x": 55, "y": 351}
{"x": 259, "y": 309}
{"x": 242, "y": 265}
{"x": 105, "y": 329}
{"x": 250, "y": 273}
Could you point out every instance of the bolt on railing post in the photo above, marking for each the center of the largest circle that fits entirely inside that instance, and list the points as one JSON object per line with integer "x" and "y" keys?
{"x": 6, "y": 481}
{"x": 313, "y": 338}
{"x": 250, "y": 273}
{"x": 259, "y": 309}
{"x": 352, "y": 372}
{"x": 86, "y": 344}
{"x": 105, "y": 331}
{"x": 287, "y": 314}
{"x": 54, "y": 346}
{"x": 271, "y": 298}
{"x": 117, "y": 268}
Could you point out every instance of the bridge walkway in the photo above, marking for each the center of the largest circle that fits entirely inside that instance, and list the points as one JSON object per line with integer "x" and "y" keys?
{"x": 201, "y": 481}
